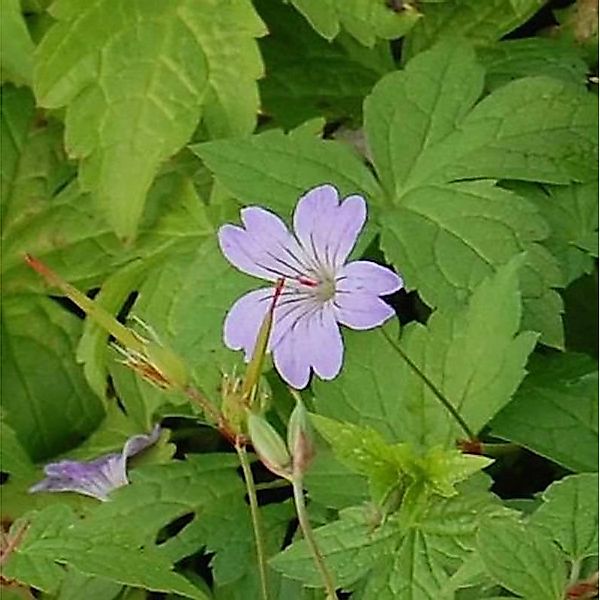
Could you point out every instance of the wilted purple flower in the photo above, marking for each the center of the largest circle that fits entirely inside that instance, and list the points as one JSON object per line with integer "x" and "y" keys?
{"x": 321, "y": 289}
{"x": 98, "y": 477}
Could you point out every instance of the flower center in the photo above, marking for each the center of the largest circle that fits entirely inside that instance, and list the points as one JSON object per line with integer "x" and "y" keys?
{"x": 323, "y": 289}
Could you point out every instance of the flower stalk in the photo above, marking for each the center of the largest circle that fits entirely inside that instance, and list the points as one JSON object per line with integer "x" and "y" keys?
{"x": 261, "y": 558}
{"x": 309, "y": 536}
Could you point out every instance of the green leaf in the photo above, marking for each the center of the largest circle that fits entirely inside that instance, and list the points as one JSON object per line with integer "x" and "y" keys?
{"x": 569, "y": 514}
{"x": 535, "y": 128}
{"x": 522, "y": 560}
{"x": 572, "y": 213}
{"x": 163, "y": 84}
{"x": 378, "y": 388}
{"x": 397, "y": 466}
{"x": 117, "y": 540}
{"x": 76, "y": 586}
{"x": 308, "y": 76}
{"x": 363, "y": 19}
{"x": 93, "y": 346}
{"x": 332, "y": 484}
{"x": 480, "y": 23}
{"x": 446, "y": 239}
{"x": 405, "y": 114}
{"x": 13, "y": 457}
{"x": 555, "y": 411}
{"x": 37, "y": 217}
{"x": 530, "y": 129}
{"x": 410, "y": 574}
{"x": 349, "y": 546}
{"x": 46, "y": 399}
{"x": 40, "y": 572}
{"x": 511, "y": 59}
{"x": 274, "y": 170}
{"x": 186, "y": 299}
{"x": 16, "y": 47}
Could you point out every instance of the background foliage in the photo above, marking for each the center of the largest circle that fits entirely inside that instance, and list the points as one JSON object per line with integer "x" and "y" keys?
{"x": 132, "y": 129}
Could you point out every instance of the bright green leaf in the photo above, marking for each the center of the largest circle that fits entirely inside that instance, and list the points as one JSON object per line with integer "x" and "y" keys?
{"x": 163, "y": 84}
{"x": 16, "y": 47}
{"x": 569, "y": 514}
{"x": 555, "y": 411}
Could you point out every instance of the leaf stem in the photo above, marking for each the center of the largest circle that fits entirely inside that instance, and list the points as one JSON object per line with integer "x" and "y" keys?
{"x": 310, "y": 538}
{"x": 256, "y": 520}
{"x": 575, "y": 570}
{"x": 445, "y": 402}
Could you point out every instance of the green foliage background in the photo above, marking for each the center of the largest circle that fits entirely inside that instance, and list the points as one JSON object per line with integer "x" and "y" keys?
{"x": 132, "y": 129}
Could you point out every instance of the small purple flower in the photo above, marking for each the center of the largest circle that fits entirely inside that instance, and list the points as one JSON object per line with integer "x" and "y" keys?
{"x": 321, "y": 290}
{"x": 98, "y": 477}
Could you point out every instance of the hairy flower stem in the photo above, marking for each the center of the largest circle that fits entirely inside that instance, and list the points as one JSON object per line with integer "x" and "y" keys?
{"x": 240, "y": 448}
{"x": 310, "y": 538}
{"x": 445, "y": 402}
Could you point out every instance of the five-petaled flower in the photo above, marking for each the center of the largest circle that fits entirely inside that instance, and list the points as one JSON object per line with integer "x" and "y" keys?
{"x": 98, "y": 477}
{"x": 321, "y": 289}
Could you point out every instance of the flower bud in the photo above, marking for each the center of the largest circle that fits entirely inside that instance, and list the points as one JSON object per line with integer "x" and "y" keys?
{"x": 300, "y": 438}
{"x": 269, "y": 446}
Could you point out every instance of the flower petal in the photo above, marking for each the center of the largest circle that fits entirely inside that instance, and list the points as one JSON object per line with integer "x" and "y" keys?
{"x": 95, "y": 478}
{"x": 135, "y": 444}
{"x": 368, "y": 277}
{"x": 291, "y": 361}
{"x": 326, "y": 228}
{"x": 263, "y": 247}
{"x": 313, "y": 340}
{"x": 244, "y": 320}
{"x": 359, "y": 310}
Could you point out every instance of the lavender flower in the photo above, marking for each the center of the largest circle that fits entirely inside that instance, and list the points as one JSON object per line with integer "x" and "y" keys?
{"x": 321, "y": 289}
{"x": 96, "y": 478}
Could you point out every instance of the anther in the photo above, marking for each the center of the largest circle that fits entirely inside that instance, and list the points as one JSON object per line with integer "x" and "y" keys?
{"x": 307, "y": 281}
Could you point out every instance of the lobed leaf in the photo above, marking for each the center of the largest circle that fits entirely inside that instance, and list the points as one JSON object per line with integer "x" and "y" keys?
{"x": 16, "y": 46}
{"x": 480, "y": 23}
{"x": 555, "y": 411}
{"x": 103, "y": 62}
{"x": 569, "y": 514}
{"x": 522, "y": 560}
{"x": 309, "y": 76}
{"x": 363, "y": 19}
{"x": 378, "y": 388}
{"x": 274, "y": 170}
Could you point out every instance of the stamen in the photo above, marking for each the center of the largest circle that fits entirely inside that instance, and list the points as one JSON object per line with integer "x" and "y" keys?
{"x": 307, "y": 281}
